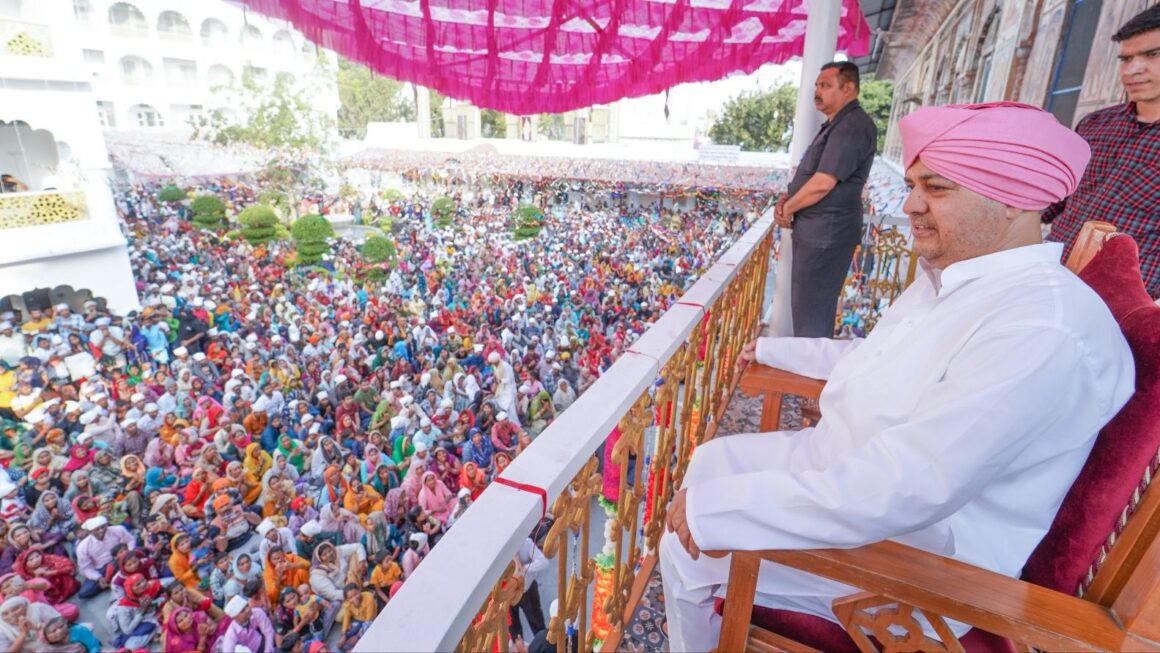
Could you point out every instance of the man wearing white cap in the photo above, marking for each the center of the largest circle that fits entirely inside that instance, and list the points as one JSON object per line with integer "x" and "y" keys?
{"x": 12, "y": 344}
{"x": 273, "y": 536}
{"x": 505, "y": 385}
{"x": 427, "y": 434}
{"x": 250, "y": 628}
{"x": 95, "y": 552}
{"x": 111, "y": 341}
{"x": 150, "y": 422}
{"x": 136, "y": 406}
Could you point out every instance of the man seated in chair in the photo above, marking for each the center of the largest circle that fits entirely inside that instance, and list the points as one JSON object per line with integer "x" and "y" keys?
{"x": 958, "y": 425}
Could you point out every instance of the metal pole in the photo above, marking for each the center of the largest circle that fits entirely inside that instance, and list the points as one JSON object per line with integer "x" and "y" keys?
{"x": 819, "y": 47}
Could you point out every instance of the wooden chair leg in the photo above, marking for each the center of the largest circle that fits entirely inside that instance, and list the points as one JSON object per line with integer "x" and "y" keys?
{"x": 743, "y": 568}
{"x": 770, "y": 411}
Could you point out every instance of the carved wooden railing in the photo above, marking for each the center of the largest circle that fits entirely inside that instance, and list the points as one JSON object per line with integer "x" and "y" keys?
{"x": 664, "y": 396}
{"x": 33, "y": 209}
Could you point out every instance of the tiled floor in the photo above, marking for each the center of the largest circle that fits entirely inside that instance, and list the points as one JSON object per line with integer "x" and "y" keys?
{"x": 645, "y": 632}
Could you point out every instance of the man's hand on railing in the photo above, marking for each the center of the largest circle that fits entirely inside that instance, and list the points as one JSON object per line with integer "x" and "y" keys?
{"x": 748, "y": 354}
{"x": 679, "y": 524}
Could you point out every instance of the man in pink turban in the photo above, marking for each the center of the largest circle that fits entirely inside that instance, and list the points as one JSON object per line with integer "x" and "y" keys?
{"x": 958, "y": 424}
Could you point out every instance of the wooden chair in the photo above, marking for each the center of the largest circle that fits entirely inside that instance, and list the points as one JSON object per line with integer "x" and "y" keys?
{"x": 1092, "y": 584}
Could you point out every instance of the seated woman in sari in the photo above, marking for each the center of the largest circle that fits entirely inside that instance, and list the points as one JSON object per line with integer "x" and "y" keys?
{"x": 362, "y": 500}
{"x": 14, "y": 612}
{"x": 385, "y": 479}
{"x": 53, "y": 518}
{"x": 34, "y": 590}
{"x": 335, "y": 519}
{"x": 413, "y": 482}
{"x": 159, "y": 453}
{"x": 445, "y": 465}
{"x": 245, "y": 482}
{"x": 189, "y": 630}
{"x": 436, "y": 498}
{"x": 283, "y": 569}
{"x": 540, "y": 412}
{"x": 372, "y": 459}
{"x": 179, "y": 596}
{"x": 133, "y": 618}
{"x": 133, "y": 473}
{"x": 473, "y": 479}
{"x": 170, "y": 430}
{"x": 157, "y": 479}
{"x": 58, "y": 571}
{"x": 56, "y": 636}
{"x": 255, "y": 461}
{"x": 295, "y": 454}
{"x": 181, "y": 562}
{"x": 479, "y": 450}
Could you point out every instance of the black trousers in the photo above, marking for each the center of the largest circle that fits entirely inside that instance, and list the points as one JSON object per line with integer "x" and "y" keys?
{"x": 818, "y": 276}
{"x": 530, "y": 604}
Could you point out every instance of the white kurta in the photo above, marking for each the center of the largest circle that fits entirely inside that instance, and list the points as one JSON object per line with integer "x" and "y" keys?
{"x": 957, "y": 427}
{"x": 505, "y": 390}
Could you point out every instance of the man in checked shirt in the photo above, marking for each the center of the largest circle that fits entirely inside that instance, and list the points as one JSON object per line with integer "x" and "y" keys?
{"x": 1122, "y": 182}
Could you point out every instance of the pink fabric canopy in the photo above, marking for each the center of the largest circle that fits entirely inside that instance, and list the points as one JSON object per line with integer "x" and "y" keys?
{"x": 532, "y": 56}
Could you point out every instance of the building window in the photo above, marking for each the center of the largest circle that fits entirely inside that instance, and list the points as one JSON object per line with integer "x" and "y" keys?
{"x": 214, "y": 31}
{"x": 1072, "y": 57}
{"x": 146, "y": 116}
{"x": 173, "y": 25}
{"x": 96, "y": 57}
{"x": 83, "y": 10}
{"x": 136, "y": 70}
{"x": 250, "y": 35}
{"x": 983, "y": 79}
{"x": 180, "y": 72}
{"x": 128, "y": 18}
{"x": 107, "y": 115}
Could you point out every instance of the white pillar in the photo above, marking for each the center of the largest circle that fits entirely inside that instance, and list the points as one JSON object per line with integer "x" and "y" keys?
{"x": 820, "y": 44}
{"x": 423, "y": 110}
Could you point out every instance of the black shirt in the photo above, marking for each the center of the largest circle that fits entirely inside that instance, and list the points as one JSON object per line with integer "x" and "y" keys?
{"x": 844, "y": 148}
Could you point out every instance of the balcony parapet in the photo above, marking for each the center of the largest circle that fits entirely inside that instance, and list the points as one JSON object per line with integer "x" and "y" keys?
{"x": 25, "y": 39}
{"x": 660, "y": 399}
{"x": 33, "y": 209}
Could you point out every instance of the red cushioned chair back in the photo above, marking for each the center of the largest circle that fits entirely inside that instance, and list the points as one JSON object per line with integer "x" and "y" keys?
{"x": 1125, "y": 452}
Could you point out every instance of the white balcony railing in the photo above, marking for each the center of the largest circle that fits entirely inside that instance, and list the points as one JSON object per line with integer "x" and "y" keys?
{"x": 663, "y": 396}
{"x": 31, "y": 209}
{"x": 24, "y": 39}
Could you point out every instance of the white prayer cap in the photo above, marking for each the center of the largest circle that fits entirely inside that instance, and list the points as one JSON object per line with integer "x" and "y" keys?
{"x": 307, "y": 418}
{"x": 181, "y": 351}
{"x": 316, "y": 428}
{"x": 197, "y": 301}
{"x": 451, "y": 329}
{"x": 419, "y": 538}
{"x": 151, "y": 407}
{"x": 99, "y": 396}
{"x": 103, "y": 321}
{"x": 93, "y": 523}
{"x": 71, "y": 406}
{"x": 407, "y": 400}
{"x": 425, "y": 378}
{"x": 446, "y": 403}
{"x": 463, "y": 492}
{"x": 420, "y": 447}
{"x": 379, "y": 335}
{"x": 292, "y": 404}
{"x": 137, "y": 396}
{"x": 321, "y": 395}
{"x": 550, "y": 355}
{"x": 398, "y": 422}
{"x": 265, "y": 527}
{"x": 477, "y": 348}
{"x": 209, "y": 306}
{"x": 87, "y": 418}
{"x": 211, "y": 333}
{"x": 396, "y": 384}
{"x": 311, "y": 528}
{"x": 6, "y": 488}
{"x": 199, "y": 356}
{"x": 84, "y": 437}
{"x": 424, "y": 423}
{"x": 235, "y": 607}
{"x": 261, "y": 403}
{"x": 5, "y": 326}
{"x": 236, "y": 373}
{"x": 341, "y": 378}
{"x": 253, "y": 337}
{"x": 525, "y": 390}
{"x": 34, "y": 416}
{"x": 493, "y": 357}
{"x": 501, "y": 416}
{"x": 61, "y": 306}
{"x": 126, "y": 423}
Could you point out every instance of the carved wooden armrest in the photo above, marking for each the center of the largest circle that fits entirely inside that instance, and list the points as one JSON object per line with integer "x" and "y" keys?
{"x": 934, "y": 585}
{"x": 772, "y": 383}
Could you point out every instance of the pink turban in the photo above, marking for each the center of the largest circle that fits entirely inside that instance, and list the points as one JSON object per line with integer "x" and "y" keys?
{"x": 1013, "y": 153}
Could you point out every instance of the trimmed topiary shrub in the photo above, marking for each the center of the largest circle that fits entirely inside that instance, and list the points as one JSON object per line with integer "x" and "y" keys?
{"x": 376, "y": 251}
{"x": 310, "y": 233}
{"x": 393, "y": 195}
{"x": 529, "y": 220}
{"x": 258, "y": 221}
{"x": 171, "y": 193}
{"x": 208, "y": 211}
{"x": 443, "y": 211}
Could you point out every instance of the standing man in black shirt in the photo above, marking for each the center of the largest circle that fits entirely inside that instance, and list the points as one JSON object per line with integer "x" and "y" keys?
{"x": 824, "y": 201}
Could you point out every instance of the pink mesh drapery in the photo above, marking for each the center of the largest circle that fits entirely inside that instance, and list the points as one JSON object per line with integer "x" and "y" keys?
{"x": 532, "y": 56}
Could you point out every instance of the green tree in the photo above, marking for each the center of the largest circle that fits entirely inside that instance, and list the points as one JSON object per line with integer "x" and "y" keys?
{"x": 276, "y": 115}
{"x": 171, "y": 193}
{"x": 550, "y": 125}
{"x": 436, "y": 112}
{"x": 208, "y": 211}
{"x": 493, "y": 123}
{"x": 758, "y": 120}
{"x": 443, "y": 211}
{"x": 258, "y": 222}
{"x": 529, "y": 220}
{"x": 876, "y": 97}
{"x": 310, "y": 233}
{"x": 377, "y": 251}
{"x": 365, "y": 97}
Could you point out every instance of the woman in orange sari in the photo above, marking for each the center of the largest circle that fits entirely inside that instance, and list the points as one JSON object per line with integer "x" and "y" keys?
{"x": 244, "y": 481}
{"x": 179, "y": 560}
{"x": 472, "y": 478}
{"x": 283, "y": 569}
{"x": 362, "y": 500}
